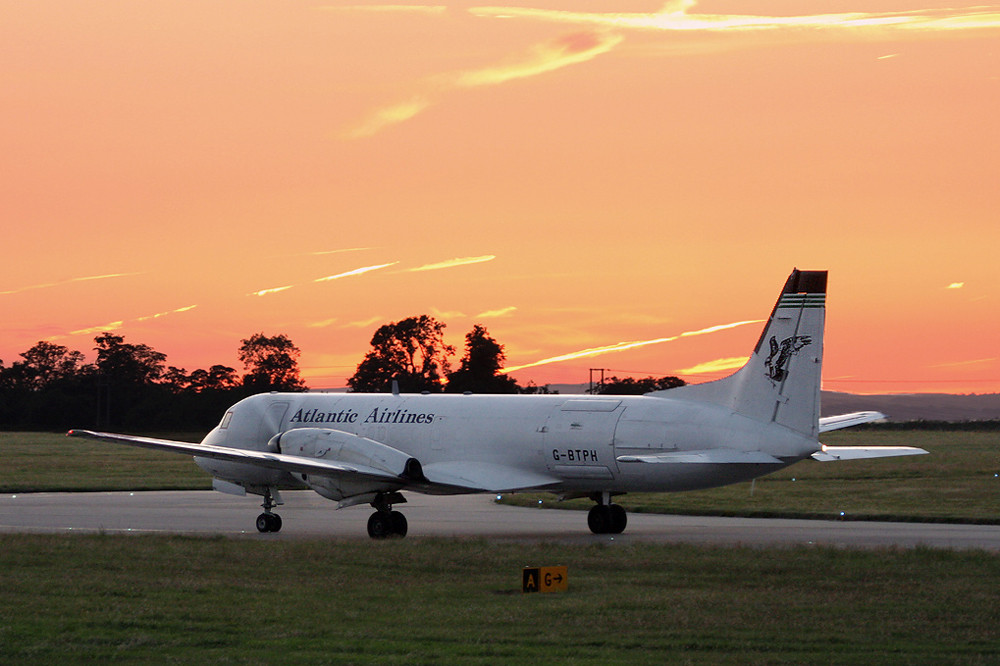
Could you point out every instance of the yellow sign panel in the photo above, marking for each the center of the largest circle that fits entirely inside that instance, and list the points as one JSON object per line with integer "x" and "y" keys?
{"x": 544, "y": 579}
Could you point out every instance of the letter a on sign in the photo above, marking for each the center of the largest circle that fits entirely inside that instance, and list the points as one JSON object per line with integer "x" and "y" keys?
{"x": 529, "y": 579}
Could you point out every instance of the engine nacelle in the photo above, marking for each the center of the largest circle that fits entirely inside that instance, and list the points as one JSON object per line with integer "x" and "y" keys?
{"x": 340, "y": 446}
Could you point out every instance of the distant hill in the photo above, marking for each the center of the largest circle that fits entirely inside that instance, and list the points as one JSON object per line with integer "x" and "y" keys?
{"x": 897, "y": 407}
{"x": 916, "y": 406}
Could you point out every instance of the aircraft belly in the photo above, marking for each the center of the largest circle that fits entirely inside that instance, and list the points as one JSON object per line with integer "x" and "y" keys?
{"x": 673, "y": 477}
{"x": 597, "y": 472}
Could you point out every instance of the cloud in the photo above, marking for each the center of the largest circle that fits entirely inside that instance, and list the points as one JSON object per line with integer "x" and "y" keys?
{"x": 356, "y": 271}
{"x": 346, "y": 249}
{"x": 272, "y": 290}
{"x": 104, "y": 328}
{"x": 168, "y": 312}
{"x": 115, "y": 325}
{"x": 975, "y": 362}
{"x": 58, "y": 283}
{"x": 328, "y": 278}
{"x": 364, "y": 323}
{"x": 955, "y": 285}
{"x": 322, "y": 324}
{"x": 391, "y": 9}
{"x": 541, "y": 59}
{"x": 493, "y": 314}
{"x": 678, "y": 17}
{"x": 623, "y": 346}
{"x": 452, "y": 263}
{"x": 386, "y": 117}
{"x": 718, "y": 365}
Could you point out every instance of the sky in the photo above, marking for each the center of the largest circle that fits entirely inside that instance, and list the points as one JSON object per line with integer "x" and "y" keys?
{"x": 621, "y": 189}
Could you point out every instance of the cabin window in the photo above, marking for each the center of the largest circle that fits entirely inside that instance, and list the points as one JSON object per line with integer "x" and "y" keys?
{"x": 226, "y": 420}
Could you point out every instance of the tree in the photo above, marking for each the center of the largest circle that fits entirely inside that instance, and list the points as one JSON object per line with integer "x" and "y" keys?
{"x": 46, "y": 364}
{"x": 480, "y": 369}
{"x": 630, "y": 386}
{"x": 123, "y": 364}
{"x": 216, "y": 378}
{"x": 271, "y": 363}
{"x": 411, "y": 351}
{"x": 531, "y": 388}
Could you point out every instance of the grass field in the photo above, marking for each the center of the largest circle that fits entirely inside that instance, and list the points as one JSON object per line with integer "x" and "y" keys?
{"x": 138, "y": 599}
{"x": 37, "y": 462}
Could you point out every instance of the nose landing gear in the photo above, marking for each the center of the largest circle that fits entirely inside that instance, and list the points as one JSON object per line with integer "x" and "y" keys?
{"x": 268, "y": 521}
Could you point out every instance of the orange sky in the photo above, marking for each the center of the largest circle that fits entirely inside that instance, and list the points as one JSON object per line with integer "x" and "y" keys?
{"x": 187, "y": 174}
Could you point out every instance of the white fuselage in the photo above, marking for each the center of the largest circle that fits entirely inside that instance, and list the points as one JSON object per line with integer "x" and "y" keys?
{"x": 575, "y": 440}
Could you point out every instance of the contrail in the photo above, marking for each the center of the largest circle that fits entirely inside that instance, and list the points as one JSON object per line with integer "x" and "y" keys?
{"x": 622, "y": 346}
{"x": 356, "y": 271}
{"x": 452, "y": 263}
{"x": 48, "y": 285}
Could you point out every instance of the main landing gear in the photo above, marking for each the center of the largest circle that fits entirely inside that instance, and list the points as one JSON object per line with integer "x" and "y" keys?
{"x": 385, "y": 522}
{"x": 268, "y": 521}
{"x": 605, "y": 517}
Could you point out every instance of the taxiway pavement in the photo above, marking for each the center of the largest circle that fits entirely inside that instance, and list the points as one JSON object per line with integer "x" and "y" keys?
{"x": 307, "y": 515}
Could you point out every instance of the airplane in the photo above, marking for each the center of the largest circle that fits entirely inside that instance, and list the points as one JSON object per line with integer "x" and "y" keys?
{"x": 369, "y": 448}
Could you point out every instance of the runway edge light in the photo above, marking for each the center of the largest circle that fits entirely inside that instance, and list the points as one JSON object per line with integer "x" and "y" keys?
{"x": 544, "y": 579}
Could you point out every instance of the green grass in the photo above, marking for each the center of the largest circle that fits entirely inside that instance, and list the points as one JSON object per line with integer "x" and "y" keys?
{"x": 135, "y": 599}
{"x": 957, "y": 482}
{"x": 37, "y": 462}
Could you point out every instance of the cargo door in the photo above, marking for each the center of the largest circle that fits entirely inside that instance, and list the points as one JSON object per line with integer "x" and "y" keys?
{"x": 579, "y": 439}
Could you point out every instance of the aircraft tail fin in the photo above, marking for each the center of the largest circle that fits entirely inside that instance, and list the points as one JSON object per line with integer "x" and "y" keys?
{"x": 781, "y": 380}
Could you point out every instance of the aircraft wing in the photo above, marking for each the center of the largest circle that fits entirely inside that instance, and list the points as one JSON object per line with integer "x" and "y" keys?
{"x": 830, "y": 453}
{"x": 708, "y": 456}
{"x": 288, "y": 463}
{"x": 828, "y": 423}
{"x": 443, "y": 477}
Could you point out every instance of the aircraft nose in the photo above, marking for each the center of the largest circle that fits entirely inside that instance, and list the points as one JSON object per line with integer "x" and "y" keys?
{"x": 216, "y": 437}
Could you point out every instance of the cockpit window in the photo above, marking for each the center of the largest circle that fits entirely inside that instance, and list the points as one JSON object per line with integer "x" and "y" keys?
{"x": 225, "y": 421}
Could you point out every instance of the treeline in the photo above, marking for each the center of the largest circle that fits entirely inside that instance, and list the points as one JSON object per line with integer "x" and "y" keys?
{"x": 131, "y": 386}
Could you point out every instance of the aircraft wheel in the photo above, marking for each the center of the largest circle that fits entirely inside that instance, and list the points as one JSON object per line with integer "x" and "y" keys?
{"x": 268, "y": 522}
{"x": 380, "y": 525}
{"x": 619, "y": 519}
{"x": 599, "y": 519}
{"x": 398, "y": 521}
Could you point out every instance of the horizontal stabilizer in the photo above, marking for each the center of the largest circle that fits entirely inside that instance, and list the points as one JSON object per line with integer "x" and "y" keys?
{"x": 709, "y": 456}
{"x": 829, "y": 453}
{"x": 488, "y": 477}
{"x": 828, "y": 423}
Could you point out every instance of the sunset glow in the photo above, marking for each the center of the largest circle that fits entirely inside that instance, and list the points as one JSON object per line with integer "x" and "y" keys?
{"x": 186, "y": 175}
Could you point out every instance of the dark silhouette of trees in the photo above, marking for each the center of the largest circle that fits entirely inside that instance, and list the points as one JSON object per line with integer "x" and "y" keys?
{"x": 50, "y": 385}
{"x": 531, "y": 388}
{"x": 124, "y": 364}
{"x": 271, "y": 363}
{"x": 216, "y": 378}
{"x": 411, "y": 351}
{"x": 480, "y": 368}
{"x": 630, "y": 386}
{"x": 130, "y": 386}
{"x": 46, "y": 364}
